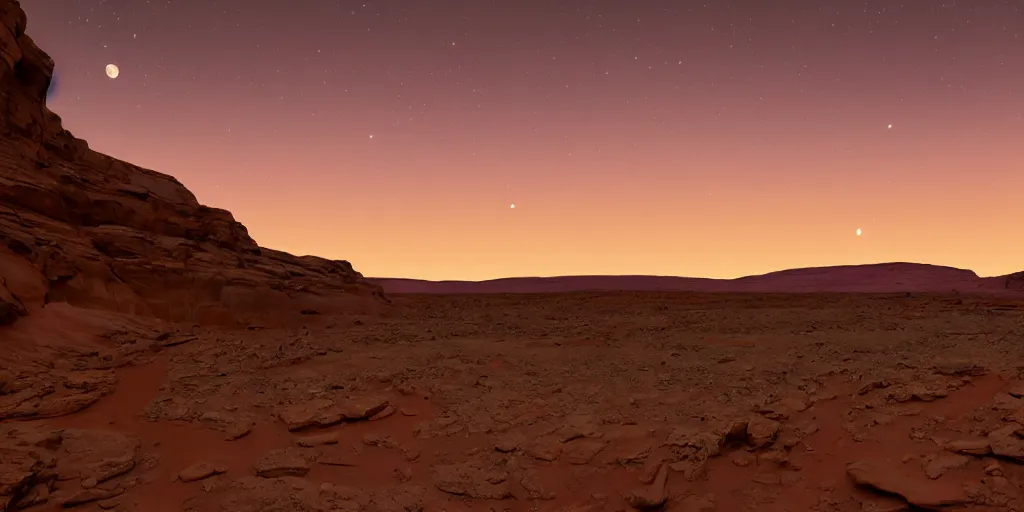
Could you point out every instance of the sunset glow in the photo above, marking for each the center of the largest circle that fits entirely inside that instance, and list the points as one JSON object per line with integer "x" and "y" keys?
{"x": 721, "y": 140}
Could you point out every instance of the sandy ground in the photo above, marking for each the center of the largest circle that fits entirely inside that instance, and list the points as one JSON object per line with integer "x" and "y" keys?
{"x": 576, "y": 402}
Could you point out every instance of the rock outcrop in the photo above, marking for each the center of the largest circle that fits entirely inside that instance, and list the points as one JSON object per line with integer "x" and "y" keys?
{"x": 81, "y": 227}
{"x": 1014, "y": 281}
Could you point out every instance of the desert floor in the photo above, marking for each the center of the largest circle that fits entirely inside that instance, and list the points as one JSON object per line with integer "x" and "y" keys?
{"x": 576, "y": 402}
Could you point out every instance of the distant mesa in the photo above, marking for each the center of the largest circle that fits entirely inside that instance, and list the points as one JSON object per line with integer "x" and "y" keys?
{"x": 873, "y": 278}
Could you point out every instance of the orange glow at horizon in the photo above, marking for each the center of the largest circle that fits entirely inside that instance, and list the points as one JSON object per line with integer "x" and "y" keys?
{"x": 692, "y": 152}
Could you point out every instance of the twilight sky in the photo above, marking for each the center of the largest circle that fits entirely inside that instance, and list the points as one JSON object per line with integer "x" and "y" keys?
{"x": 675, "y": 137}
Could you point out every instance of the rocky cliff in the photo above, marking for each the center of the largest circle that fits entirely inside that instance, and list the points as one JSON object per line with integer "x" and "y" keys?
{"x": 80, "y": 227}
{"x": 1014, "y": 281}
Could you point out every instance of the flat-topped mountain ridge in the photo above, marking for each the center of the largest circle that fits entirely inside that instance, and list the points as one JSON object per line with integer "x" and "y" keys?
{"x": 870, "y": 278}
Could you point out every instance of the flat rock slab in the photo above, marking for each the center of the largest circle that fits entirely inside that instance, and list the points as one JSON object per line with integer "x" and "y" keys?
{"x": 1005, "y": 442}
{"x": 200, "y": 471}
{"x": 939, "y": 465}
{"x": 980, "y": 446}
{"x": 303, "y": 415}
{"x": 317, "y": 440}
{"x": 335, "y": 459}
{"x": 892, "y": 479}
{"x": 90, "y": 495}
{"x": 281, "y": 463}
{"x": 324, "y": 412}
{"x": 654, "y": 496}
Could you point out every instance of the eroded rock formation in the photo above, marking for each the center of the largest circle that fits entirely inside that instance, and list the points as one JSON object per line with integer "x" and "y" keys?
{"x": 81, "y": 227}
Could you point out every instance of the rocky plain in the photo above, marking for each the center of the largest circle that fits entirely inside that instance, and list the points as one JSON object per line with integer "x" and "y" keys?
{"x": 153, "y": 357}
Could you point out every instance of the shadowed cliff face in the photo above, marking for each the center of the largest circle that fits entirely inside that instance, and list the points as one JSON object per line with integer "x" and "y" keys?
{"x": 80, "y": 227}
{"x": 1014, "y": 281}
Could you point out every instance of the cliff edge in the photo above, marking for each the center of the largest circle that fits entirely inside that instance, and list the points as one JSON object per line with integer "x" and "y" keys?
{"x": 80, "y": 227}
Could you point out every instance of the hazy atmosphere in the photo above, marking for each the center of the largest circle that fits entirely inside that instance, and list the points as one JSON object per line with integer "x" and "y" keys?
{"x": 685, "y": 138}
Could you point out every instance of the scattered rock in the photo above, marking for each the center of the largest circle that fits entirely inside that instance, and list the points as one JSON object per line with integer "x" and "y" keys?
{"x": 280, "y": 463}
{"x": 544, "y": 449}
{"x": 742, "y": 458}
{"x": 783, "y": 408}
{"x": 37, "y": 495}
{"x": 108, "y": 504}
{"x": 362, "y": 407}
{"x": 695, "y": 440}
{"x": 761, "y": 431}
{"x": 893, "y": 480}
{"x": 404, "y": 474}
{"x": 471, "y": 481}
{"x": 535, "y": 487}
{"x": 90, "y": 495}
{"x": 238, "y": 430}
{"x": 979, "y": 446}
{"x": 110, "y": 468}
{"x": 317, "y": 440}
{"x": 323, "y": 412}
{"x": 386, "y": 412}
{"x": 379, "y": 440}
{"x": 960, "y": 369}
{"x": 582, "y": 451}
{"x": 1005, "y": 443}
{"x": 306, "y": 414}
{"x": 18, "y": 471}
{"x": 577, "y": 427}
{"x": 938, "y": 465}
{"x": 1017, "y": 416}
{"x": 1006, "y": 402}
{"x": 335, "y": 459}
{"x": 411, "y": 453}
{"x": 918, "y": 391}
{"x": 873, "y": 385}
{"x": 200, "y": 471}
{"x": 509, "y": 443}
{"x": 653, "y": 496}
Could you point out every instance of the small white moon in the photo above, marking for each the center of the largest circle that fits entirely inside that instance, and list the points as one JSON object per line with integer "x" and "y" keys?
{"x": 112, "y": 70}
{"x": 512, "y": 206}
{"x": 890, "y": 127}
{"x": 859, "y": 232}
